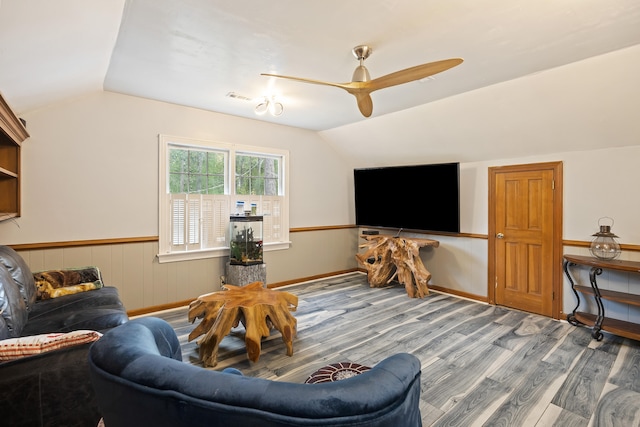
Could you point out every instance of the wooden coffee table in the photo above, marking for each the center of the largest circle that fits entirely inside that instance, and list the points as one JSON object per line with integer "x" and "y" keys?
{"x": 259, "y": 309}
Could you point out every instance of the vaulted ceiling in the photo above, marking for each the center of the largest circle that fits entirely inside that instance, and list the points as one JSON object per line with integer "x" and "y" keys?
{"x": 196, "y": 52}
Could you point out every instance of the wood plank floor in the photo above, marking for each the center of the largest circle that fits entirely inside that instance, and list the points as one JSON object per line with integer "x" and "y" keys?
{"x": 482, "y": 365}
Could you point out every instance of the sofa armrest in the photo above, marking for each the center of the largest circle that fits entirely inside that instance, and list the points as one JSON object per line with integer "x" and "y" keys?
{"x": 51, "y": 388}
{"x": 97, "y": 310}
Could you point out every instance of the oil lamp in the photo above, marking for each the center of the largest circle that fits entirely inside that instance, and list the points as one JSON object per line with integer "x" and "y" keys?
{"x": 604, "y": 244}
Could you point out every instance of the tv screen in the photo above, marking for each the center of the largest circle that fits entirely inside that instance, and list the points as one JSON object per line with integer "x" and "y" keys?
{"x": 422, "y": 197}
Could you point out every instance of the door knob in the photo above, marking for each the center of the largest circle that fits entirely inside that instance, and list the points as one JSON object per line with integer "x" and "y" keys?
{"x": 500, "y": 236}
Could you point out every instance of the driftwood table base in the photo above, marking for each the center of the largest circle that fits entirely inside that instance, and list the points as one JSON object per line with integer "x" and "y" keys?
{"x": 257, "y": 308}
{"x": 396, "y": 257}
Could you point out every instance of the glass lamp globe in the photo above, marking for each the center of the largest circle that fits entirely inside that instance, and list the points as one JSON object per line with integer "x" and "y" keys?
{"x": 604, "y": 244}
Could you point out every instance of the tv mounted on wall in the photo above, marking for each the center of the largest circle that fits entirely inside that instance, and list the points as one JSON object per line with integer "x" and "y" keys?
{"x": 421, "y": 197}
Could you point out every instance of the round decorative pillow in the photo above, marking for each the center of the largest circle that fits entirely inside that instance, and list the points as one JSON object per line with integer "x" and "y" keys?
{"x": 336, "y": 372}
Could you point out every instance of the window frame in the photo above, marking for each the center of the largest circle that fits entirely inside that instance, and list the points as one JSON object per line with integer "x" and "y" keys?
{"x": 165, "y": 254}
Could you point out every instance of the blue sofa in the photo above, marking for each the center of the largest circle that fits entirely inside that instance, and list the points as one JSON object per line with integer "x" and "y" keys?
{"x": 140, "y": 380}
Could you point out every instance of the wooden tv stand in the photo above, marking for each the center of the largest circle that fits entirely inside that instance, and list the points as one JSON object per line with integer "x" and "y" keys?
{"x": 599, "y": 321}
{"x": 388, "y": 257}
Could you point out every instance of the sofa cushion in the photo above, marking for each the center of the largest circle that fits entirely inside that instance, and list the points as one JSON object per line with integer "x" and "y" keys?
{"x": 20, "y": 273}
{"x": 12, "y": 306}
{"x": 15, "y": 348}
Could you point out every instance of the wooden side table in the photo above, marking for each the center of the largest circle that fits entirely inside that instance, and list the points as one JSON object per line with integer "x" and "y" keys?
{"x": 396, "y": 257}
{"x": 599, "y": 321}
{"x": 258, "y": 309}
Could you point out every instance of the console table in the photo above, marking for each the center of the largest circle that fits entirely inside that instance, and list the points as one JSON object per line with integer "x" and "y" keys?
{"x": 388, "y": 257}
{"x": 599, "y": 321}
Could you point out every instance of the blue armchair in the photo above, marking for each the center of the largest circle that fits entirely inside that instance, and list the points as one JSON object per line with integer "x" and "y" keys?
{"x": 140, "y": 380}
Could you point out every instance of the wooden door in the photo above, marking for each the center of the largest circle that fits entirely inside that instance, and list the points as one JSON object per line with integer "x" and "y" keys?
{"x": 525, "y": 237}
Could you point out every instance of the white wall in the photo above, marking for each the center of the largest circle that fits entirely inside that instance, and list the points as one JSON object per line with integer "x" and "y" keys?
{"x": 90, "y": 168}
{"x": 597, "y": 183}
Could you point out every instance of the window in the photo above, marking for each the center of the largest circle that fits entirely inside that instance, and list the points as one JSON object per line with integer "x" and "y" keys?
{"x": 200, "y": 184}
{"x": 196, "y": 171}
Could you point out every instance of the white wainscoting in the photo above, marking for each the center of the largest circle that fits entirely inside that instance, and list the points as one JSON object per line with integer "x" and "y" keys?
{"x": 143, "y": 282}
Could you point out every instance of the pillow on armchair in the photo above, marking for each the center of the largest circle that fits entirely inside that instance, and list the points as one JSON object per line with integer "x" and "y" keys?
{"x": 15, "y": 348}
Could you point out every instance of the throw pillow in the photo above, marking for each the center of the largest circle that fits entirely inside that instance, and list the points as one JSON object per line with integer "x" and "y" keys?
{"x": 15, "y": 348}
{"x": 57, "y": 283}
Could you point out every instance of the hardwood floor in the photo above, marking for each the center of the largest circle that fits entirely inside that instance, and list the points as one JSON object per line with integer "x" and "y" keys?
{"x": 482, "y": 365}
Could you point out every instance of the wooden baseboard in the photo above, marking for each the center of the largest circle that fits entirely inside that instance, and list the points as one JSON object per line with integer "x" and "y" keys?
{"x": 467, "y": 295}
{"x": 161, "y": 307}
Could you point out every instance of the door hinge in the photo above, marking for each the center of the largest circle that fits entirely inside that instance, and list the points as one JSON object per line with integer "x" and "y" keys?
{"x": 553, "y": 184}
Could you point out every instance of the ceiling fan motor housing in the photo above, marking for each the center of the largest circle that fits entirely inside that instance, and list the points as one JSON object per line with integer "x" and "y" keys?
{"x": 361, "y": 74}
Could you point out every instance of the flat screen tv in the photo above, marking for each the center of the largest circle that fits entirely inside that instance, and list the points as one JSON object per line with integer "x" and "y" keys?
{"x": 421, "y": 197}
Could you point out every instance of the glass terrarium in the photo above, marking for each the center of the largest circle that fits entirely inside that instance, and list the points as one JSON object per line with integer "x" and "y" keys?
{"x": 245, "y": 242}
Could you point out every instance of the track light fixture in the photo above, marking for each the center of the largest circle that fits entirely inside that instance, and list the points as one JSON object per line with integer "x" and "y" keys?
{"x": 271, "y": 105}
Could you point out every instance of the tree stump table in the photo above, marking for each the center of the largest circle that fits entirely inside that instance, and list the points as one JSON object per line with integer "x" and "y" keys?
{"x": 393, "y": 257}
{"x": 259, "y": 309}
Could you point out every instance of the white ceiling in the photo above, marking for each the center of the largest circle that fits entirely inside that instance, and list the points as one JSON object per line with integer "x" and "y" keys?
{"x": 194, "y": 52}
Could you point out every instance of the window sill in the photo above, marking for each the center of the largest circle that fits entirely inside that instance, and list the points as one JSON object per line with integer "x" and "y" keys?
{"x": 213, "y": 253}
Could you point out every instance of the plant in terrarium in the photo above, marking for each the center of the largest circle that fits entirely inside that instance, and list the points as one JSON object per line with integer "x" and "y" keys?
{"x": 244, "y": 248}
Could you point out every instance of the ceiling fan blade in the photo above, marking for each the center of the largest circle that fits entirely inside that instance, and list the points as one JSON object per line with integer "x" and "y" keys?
{"x": 365, "y": 104}
{"x": 345, "y": 86}
{"x": 411, "y": 74}
{"x": 357, "y": 89}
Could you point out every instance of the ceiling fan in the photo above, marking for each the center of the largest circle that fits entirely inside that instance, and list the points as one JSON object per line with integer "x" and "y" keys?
{"x": 361, "y": 84}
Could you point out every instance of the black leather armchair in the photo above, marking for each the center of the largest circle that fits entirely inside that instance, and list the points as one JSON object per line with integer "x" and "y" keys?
{"x": 51, "y": 388}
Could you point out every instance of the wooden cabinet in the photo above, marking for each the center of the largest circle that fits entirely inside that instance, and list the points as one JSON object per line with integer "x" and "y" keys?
{"x": 599, "y": 321}
{"x": 12, "y": 134}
